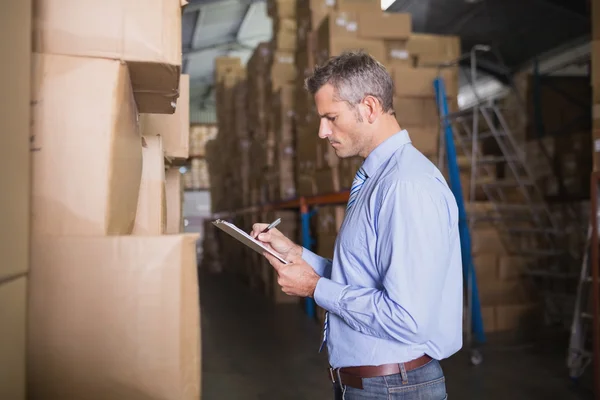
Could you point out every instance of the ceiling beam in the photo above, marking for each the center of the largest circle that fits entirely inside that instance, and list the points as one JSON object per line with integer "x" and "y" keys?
{"x": 570, "y": 7}
{"x": 244, "y": 21}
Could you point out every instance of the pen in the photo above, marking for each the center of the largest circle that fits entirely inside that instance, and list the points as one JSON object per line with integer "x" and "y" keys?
{"x": 271, "y": 226}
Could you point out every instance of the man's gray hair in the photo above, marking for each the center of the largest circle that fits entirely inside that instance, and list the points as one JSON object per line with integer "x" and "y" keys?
{"x": 354, "y": 75}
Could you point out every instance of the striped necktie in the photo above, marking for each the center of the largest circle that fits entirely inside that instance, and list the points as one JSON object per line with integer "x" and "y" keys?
{"x": 359, "y": 180}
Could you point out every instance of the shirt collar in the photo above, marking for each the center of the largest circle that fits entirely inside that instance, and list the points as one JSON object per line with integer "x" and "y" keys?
{"x": 384, "y": 151}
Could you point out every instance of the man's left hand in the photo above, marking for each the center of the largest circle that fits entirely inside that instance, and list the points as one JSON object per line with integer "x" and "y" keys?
{"x": 296, "y": 278}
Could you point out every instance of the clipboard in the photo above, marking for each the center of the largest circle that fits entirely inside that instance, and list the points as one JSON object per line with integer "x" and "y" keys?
{"x": 246, "y": 239}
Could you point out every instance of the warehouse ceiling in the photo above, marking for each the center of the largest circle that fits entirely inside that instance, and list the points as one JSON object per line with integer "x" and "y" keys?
{"x": 517, "y": 30}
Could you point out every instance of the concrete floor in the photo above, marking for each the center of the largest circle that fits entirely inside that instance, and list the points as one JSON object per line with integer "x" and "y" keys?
{"x": 252, "y": 349}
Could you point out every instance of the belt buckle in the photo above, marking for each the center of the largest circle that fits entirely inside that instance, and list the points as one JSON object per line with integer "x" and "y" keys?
{"x": 331, "y": 375}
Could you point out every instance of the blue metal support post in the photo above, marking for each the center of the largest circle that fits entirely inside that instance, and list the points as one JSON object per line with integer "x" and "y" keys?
{"x": 465, "y": 236}
{"x": 307, "y": 242}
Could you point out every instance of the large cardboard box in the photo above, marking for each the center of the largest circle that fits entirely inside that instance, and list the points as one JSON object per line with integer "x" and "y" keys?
{"x": 487, "y": 240}
{"x": 146, "y": 35}
{"x": 418, "y": 82}
{"x": 15, "y": 122}
{"x": 382, "y": 25}
{"x": 424, "y": 138}
{"x": 433, "y": 49}
{"x": 13, "y": 320}
{"x": 397, "y": 54}
{"x": 86, "y": 150}
{"x": 338, "y": 33}
{"x": 174, "y": 128}
{"x": 283, "y": 70}
{"x": 357, "y": 5}
{"x": 174, "y": 198}
{"x": 199, "y": 136}
{"x": 114, "y": 318}
{"x": 330, "y": 219}
{"x": 151, "y": 214}
{"x": 284, "y": 35}
{"x": 418, "y": 111}
{"x": 280, "y": 9}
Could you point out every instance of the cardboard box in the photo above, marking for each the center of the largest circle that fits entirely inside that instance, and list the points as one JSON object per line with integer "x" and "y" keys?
{"x": 517, "y": 316}
{"x": 348, "y": 168}
{"x": 338, "y": 33}
{"x": 326, "y": 245}
{"x": 305, "y": 184}
{"x": 86, "y": 148}
{"x": 340, "y": 24}
{"x": 284, "y": 37}
{"x": 327, "y": 180}
{"x": 487, "y": 240}
{"x": 147, "y": 37}
{"x": 357, "y": 5}
{"x": 418, "y": 82}
{"x": 114, "y": 317}
{"x": 280, "y": 9}
{"x": 151, "y": 215}
{"x": 488, "y": 315}
{"x": 337, "y": 46}
{"x": 486, "y": 267}
{"x": 174, "y": 200}
{"x": 511, "y": 267}
{"x": 15, "y": 122}
{"x": 383, "y": 25}
{"x": 330, "y": 219}
{"x": 283, "y": 70}
{"x": 424, "y": 138}
{"x": 173, "y": 128}
{"x": 397, "y": 54}
{"x": 433, "y": 49}
{"x": 419, "y": 111}
{"x": 514, "y": 291}
{"x": 315, "y": 12}
{"x": 199, "y": 136}
{"x": 13, "y": 320}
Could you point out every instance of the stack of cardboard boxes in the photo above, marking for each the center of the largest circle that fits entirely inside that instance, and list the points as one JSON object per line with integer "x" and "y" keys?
{"x": 281, "y": 136}
{"x": 113, "y": 293}
{"x": 284, "y": 138}
{"x": 196, "y": 177}
{"x": 331, "y": 28}
{"x": 15, "y": 45}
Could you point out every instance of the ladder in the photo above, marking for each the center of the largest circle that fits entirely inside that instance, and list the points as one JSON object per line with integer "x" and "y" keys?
{"x": 515, "y": 202}
{"x": 579, "y": 356}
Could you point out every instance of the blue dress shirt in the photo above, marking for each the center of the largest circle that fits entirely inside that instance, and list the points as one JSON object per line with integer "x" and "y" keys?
{"x": 394, "y": 287}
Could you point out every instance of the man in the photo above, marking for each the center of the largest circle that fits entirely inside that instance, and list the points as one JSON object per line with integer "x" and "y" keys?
{"x": 393, "y": 291}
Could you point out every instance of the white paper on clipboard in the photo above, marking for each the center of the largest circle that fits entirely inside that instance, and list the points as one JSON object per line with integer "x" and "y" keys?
{"x": 246, "y": 239}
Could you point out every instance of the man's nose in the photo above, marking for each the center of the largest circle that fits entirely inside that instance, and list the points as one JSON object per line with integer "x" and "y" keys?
{"x": 324, "y": 129}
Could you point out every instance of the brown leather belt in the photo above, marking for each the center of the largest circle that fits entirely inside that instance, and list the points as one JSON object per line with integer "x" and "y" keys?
{"x": 353, "y": 376}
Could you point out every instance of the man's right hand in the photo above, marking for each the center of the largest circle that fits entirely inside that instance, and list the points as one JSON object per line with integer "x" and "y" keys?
{"x": 277, "y": 241}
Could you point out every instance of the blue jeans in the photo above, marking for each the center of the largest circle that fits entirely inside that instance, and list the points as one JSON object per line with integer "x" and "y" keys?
{"x": 424, "y": 383}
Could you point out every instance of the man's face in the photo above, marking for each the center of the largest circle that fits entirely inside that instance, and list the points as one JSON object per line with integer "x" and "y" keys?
{"x": 339, "y": 124}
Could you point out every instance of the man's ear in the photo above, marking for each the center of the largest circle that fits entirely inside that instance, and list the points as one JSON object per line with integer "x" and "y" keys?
{"x": 372, "y": 108}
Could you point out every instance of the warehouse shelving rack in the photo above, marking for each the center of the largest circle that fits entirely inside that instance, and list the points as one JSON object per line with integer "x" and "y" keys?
{"x": 306, "y": 205}
{"x": 584, "y": 343}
